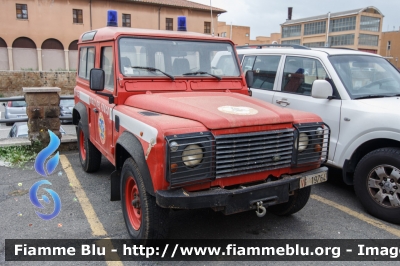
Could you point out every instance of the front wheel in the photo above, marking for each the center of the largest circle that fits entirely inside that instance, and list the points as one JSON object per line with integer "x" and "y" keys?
{"x": 377, "y": 182}
{"x": 296, "y": 202}
{"x": 144, "y": 219}
{"x": 89, "y": 155}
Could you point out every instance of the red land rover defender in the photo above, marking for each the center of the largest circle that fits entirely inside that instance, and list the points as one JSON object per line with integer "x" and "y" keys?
{"x": 171, "y": 111}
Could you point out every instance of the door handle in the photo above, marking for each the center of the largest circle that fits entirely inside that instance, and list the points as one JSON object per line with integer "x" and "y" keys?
{"x": 283, "y": 102}
{"x": 95, "y": 110}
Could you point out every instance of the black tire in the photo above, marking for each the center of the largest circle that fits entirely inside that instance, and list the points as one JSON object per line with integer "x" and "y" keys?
{"x": 153, "y": 220}
{"x": 89, "y": 155}
{"x": 296, "y": 203}
{"x": 373, "y": 190}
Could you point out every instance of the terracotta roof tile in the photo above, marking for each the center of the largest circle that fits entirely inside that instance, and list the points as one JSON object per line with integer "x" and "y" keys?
{"x": 180, "y": 3}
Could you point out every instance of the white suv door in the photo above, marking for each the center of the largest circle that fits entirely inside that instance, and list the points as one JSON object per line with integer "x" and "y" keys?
{"x": 294, "y": 92}
{"x": 265, "y": 68}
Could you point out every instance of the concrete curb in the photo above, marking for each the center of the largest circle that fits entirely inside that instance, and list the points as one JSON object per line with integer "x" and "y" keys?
{"x": 68, "y": 142}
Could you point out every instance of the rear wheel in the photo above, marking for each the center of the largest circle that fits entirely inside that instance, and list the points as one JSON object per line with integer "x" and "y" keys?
{"x": 296, "y": 202}
{"x": 89, "y": 155}
{"x": 144, "y": 219}
{"x": 377, "y": 183}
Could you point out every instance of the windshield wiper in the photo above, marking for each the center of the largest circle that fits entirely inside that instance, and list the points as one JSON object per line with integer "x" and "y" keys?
{"x": 202, "y": 73}
{"x": 154, "y": 70}
{"x": 371, "y": 96}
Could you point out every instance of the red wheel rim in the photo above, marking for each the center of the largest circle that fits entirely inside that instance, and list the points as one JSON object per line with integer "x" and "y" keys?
{"x": 132, "y": 203}
{"x": 82, "y": 145}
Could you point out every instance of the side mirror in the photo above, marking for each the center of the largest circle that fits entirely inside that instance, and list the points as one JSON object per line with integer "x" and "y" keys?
{"x": 96, "y": 79}
{"x": 249, "y": 78}
{"x": 4, "y": 104}
{"x": 321, "y": 89}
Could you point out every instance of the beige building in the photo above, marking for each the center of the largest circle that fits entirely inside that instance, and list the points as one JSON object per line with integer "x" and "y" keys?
{"x": 358, "y": 29}
{"x": 240, "y": 35}
{"x": 42, "y": 34}
{"x": 390, "y": 47}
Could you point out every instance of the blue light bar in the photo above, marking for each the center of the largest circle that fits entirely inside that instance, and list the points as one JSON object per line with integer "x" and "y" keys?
{"x": 182, "y": 23}
{"x": 112, "y": 18}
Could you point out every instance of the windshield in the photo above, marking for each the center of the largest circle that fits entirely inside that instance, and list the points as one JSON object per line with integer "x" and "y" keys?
{"x": 367, "y": 76}
{"x": 18, "y": 104}
{"x": 176, "y": 57}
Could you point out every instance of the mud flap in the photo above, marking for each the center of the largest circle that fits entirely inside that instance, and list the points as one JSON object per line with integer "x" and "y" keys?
{"x": 115, "y": 186}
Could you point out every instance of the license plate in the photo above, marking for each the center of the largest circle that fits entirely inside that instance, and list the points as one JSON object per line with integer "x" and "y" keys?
{"x": 313, "y": 179}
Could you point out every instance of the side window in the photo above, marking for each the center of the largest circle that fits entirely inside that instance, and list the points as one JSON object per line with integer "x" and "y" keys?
{"x": 86, "y": 61}
{"x": 265, "y": 68}
{"x": 299, "y": 74}
{"x": 107, "y": 63}
{"x": 248, "y": 63}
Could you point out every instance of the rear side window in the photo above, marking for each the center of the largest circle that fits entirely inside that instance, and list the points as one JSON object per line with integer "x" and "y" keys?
{"x": 265, "y": 68}
{"x": 86, "y": 61}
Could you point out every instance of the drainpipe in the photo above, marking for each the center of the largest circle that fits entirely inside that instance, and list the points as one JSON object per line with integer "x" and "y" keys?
{"x": 159, "y": 18}
{"x": 231, "y": 31}
{"x": 327, "y": 30}
{"x": 90, "y": 8}
{"x": 212, "y": 24}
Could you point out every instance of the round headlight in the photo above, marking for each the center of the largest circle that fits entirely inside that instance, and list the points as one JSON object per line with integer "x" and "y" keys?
{"x": 174, "y": 146}
{"x": 320, "y": 131}
{"x": 303, "y": 142}
{"x": 192, "y": 155}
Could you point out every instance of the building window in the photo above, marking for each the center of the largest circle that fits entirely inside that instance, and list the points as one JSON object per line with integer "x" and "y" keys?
{"x": 291, "y": 31}
{"x": 315, "y": 28}
{"x": 370, "y": 23}
{"x": 314, "y": 44}
{"x": 223, "y": 34}
{"x": 297, "y": 41}
{"x": 343, "y": 24}
{"x": 367, "y": 39}
{"x": 388, "y": 45}
{"x": 247, "y": 35}
{"x": 77, "y": 16}
{"x": 126, "y": 20}
{"x": 338, "y": 40}
{"x": 22, "y": 11}
{"x": 169, "y": 24}
{"x": 207, "y": 27}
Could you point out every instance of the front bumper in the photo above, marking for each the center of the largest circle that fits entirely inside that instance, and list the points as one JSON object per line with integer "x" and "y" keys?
{"x": 234, "y": 200}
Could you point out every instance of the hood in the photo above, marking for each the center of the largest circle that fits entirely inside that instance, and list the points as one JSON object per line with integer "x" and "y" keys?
{"x": 215, "y": 110}
{"x": 389, "y": 104}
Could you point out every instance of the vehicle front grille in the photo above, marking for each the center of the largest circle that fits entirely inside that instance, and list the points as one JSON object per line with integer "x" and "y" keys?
{"x": 253, "y": 152}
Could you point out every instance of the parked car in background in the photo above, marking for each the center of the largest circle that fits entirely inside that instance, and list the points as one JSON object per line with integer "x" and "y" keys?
{"x": 20, "y": 130}
{"x": 14, "y": 109}
{"x": 66, "y": 107}
{"x": 357, "y": 95}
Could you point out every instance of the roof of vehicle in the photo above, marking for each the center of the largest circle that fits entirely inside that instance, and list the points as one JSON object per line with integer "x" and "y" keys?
{"x": 112, "y": 33}
{"x": 311, "y": 51}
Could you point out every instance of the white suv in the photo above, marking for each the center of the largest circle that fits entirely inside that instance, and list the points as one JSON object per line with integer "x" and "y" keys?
{"x": 357, "y": 94}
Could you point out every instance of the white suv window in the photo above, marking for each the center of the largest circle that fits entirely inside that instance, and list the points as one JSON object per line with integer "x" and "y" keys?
{"x": 265, "y": 68}
{"x": 299, "y": 74}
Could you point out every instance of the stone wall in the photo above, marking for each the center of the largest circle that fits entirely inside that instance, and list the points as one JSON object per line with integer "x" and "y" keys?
{"x": 11, "y": 82}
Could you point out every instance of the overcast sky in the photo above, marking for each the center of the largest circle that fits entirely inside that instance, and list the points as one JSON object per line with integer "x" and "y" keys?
{"x": 265, "y": 16}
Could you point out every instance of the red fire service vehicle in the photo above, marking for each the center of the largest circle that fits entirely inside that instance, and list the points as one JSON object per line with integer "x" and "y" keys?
{"x": 171, "y": 111}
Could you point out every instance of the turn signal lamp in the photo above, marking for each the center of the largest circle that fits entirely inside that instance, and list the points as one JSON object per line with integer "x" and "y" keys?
{"x": 181, "y": 23}
{"x": 112, "y": 18}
